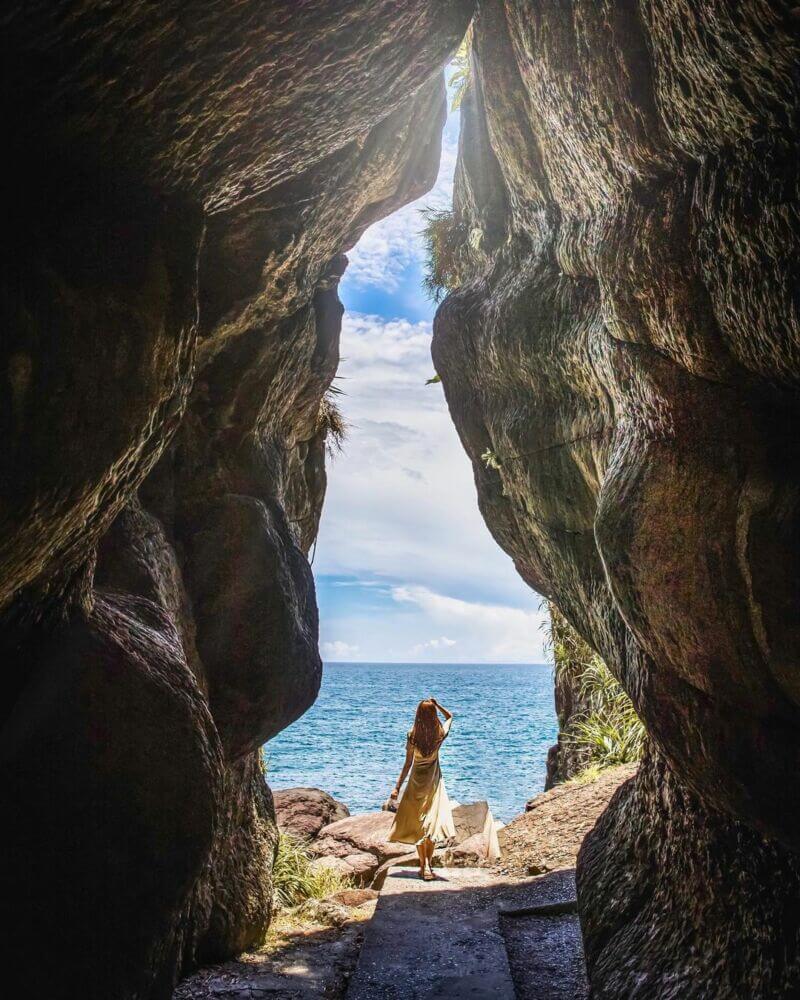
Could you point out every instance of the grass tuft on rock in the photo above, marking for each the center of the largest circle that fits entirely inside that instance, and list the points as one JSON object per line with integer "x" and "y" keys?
{"x": 331, "y": 421}
{"x": 295, "y": 878}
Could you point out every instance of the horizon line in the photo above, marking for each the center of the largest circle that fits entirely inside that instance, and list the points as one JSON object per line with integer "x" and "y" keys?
{"x": 447, "y": 663}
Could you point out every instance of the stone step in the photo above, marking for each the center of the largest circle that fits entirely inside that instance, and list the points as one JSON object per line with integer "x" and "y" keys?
{"x": 431, "y": 940}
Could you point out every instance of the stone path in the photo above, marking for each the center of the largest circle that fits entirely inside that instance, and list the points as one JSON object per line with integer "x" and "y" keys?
{"x": 545, "y": 952}
{"x": 432, "y": 940}
{"x": 443, "y": 940}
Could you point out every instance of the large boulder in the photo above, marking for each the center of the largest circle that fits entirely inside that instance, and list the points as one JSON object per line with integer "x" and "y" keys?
{"x": 665, "y": 890}
{"x": 357, "y": 846}
{"x": 303, "y": 812}
{"x": 112, "y": 766}
{"x": 368, "y": 832}
{"x": 357, "y": 867}
{"x": 621, "y": 357}
{"x": 186, "y": 183}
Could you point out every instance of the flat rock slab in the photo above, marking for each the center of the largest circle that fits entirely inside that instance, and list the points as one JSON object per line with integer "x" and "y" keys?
{"x": 545, "y": 952}
{"x": 434, "y": 940}
{"x": 548, "y": 835}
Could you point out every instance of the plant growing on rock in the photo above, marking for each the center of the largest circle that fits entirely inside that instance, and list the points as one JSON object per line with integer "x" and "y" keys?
{"x": 599, "y": 725}
{"x": 331, "y": 421}
{"x": 446, "y": 251}
{"x": 462, "y": 71}
{"x": 296, "y": 878}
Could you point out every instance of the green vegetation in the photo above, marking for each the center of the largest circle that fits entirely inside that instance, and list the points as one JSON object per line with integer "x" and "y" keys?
{"x": 330, "y": 420}
{"x": 603, "y": 729}
{"x": 611, "y": 733}
{"x": 295, "y": 878}
{"x": 446, "y": 244}
{"x": 586, "y": 776}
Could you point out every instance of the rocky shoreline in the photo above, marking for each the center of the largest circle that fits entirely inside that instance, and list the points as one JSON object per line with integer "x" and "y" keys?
{"x": 544, "y": 838}
{"x": 323, "y": 937}
{"x": 357, "y": 847}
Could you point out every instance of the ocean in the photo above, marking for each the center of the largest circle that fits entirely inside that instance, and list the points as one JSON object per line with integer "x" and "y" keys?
{"x": 351, "y": 743}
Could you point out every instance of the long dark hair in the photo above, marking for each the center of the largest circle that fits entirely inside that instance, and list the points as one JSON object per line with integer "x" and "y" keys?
{"x": 426, "y": 733}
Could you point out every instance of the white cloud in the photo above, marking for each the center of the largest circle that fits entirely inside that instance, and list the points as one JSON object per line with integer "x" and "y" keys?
{"x": 441, "y": 643}
{"x": 401, "y": 508}
{"x": 388, "y": 248}
{"x": 510, "y": 633}
{"x": 401, "y": 501}
{"x": 338, "y": 650}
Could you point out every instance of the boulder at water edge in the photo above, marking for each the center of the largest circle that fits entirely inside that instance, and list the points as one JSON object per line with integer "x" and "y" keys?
{"x": 303, "y": 812}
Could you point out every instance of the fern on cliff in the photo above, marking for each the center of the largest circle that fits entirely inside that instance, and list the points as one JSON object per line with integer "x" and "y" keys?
{"x": 604, "y": 730}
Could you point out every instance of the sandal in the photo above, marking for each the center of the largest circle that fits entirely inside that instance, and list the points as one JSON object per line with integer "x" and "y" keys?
{"x": 428, "y": 876}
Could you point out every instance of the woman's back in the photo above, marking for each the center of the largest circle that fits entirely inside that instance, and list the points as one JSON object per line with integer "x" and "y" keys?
{"x": 424, "y": 816}
{"x": 419, "y": 754}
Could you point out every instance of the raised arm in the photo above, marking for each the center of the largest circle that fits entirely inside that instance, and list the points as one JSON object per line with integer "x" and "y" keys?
{"x": 447, "y": 715}
{"x": 406, "y": 768}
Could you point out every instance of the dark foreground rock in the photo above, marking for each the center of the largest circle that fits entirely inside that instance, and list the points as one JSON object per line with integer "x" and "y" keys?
{"x": 699, "y": 868}
{"x": 186, "y": 180}
{"x": 621, "y": 357}
{"x": 305, "y": 811}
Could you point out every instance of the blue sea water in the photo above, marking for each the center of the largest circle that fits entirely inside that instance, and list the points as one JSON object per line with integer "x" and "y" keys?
{"x": 352, "y": 741}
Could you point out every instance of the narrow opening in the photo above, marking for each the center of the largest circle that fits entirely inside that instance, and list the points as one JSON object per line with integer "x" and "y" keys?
{"x": 416, "y": 599}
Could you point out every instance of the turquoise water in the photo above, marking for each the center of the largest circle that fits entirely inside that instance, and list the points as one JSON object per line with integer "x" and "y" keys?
{"x": 352, "y": 742}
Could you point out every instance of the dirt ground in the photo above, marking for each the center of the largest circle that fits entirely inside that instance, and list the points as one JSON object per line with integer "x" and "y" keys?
{"x": 302, "y": 958}
{"x": 548, "y": 836}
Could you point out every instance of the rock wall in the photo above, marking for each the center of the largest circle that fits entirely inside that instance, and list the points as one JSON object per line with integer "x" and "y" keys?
{"x": 621, "y": 359}
{"x": 186, "y": 179}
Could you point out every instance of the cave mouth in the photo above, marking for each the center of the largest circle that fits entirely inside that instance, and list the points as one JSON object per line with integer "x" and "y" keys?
{"x": 423, "y": 601}
{"x": 404, "y": 619}
{"x": 621, "y": 364}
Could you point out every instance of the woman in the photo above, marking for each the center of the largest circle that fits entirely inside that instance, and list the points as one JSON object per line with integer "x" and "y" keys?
{"x": 423, "y": 816}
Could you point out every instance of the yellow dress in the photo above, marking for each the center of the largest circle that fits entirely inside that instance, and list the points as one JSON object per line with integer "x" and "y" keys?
{"x": 424, "y": 810}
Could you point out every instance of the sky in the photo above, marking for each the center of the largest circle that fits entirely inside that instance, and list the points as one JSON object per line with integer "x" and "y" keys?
{"x": 405, "y": 568}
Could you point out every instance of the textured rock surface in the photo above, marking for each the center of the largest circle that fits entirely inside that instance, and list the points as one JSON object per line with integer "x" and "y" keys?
{"x": 304, "y": 811}
{"x": 625, "y": 344}
{"x": 548, "y": 835}
{"x": 186, "y": 179}
{"x": 112, "y": 766}
{"x": 732, "y": 901}
{"x": 359, "y": 867}
{"x": 358, "y": 846}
